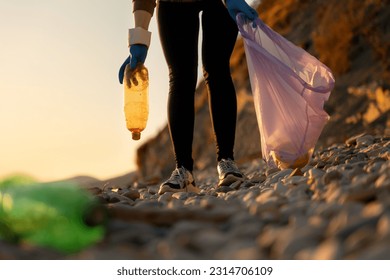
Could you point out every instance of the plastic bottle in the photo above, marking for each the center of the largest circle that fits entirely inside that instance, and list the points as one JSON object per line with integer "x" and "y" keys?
{"x": 136, "y": 88}
{"x": 61, "y": 215}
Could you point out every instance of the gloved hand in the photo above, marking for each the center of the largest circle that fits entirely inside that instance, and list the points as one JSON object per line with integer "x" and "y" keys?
{"x": 240, "y": 6}
{"x": 138, "y": 54}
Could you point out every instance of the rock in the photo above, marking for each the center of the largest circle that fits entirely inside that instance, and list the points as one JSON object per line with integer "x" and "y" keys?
{"x": 331, "y": 176}
{"x": 359, "y": 239}
{"x": 298, "y": 193}
{"x": 383, "y": 182}
{"x": 383, "y": 226}
{"x": 224, "y": 189}
{"x": 292, "y": 240}
{"x": 165, "y": 197}
{"x": 208, "y": 240}
{"x": 280, "y": 188}
{"x": 353, "y": 140}
{"x": 330, "y": 249}
{"x": 181, "y": 195}
{"x": 131, "y": 193}
{"x": 364, "y": 141}
{"x": 294, "y": 180}
{"x": 314, "y": 173}
{"x": 240, "y": 250}
{"x": 380, "y": 251}
{"x": 114, "y": 198}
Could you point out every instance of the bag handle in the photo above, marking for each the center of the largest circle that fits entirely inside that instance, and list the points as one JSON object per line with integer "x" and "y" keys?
{"x": 277, "y": 39}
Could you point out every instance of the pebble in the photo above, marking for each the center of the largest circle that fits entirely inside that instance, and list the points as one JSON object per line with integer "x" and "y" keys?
{"x": 337, "y": 207}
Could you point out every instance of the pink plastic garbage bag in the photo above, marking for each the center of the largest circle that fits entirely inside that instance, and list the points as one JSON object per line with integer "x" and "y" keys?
{"x": 290, "y": 87}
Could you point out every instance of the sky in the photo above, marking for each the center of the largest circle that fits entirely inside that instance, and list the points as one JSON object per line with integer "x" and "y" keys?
{"x": 61, "y": 105}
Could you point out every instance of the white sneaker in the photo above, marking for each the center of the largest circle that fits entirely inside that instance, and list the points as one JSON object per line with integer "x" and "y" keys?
{"x": 228, "y": 172}
{"x": 181, "y": 180}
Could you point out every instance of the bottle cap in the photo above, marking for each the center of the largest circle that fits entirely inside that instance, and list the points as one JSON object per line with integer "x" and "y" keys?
{"x": 136, "y": 135}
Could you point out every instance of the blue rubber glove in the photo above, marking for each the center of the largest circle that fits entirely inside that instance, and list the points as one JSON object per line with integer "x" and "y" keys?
{"x": 138, "y": 54}
{"x": 240, "y": 6}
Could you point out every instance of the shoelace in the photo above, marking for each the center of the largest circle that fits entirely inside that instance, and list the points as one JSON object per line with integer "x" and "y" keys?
{"x": 179, "y": 174}
{"x": 228, "y": 165}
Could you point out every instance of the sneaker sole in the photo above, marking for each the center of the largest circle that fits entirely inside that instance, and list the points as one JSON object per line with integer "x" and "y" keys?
{"x": 230, "y": 179}
{"x": 189, "y": 188}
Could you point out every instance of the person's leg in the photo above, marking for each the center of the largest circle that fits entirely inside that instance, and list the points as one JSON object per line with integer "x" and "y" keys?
{"x": 178, "y": 25}
{"x": 219, "y": 37}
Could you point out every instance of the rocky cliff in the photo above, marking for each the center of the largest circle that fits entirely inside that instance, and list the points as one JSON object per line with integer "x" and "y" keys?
{"x": 352, "y": 37}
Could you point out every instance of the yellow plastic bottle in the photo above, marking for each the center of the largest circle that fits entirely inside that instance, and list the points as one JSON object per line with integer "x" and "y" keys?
{"x": 136, "y": 89}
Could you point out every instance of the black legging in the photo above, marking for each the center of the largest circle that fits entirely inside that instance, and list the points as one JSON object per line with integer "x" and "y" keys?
{"x": 178, "y": 30}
